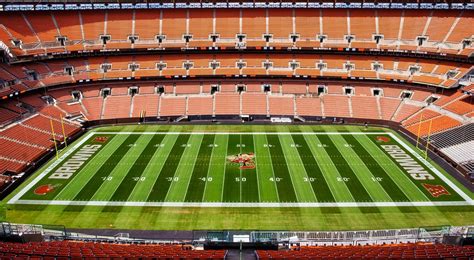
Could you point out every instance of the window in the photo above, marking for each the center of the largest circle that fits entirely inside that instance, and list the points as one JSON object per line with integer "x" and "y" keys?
{"x": 32, "y": 74}
{"x": 240, "y": 37}
{"x": 466, "y": 43}
{"x": 17, "y": 43}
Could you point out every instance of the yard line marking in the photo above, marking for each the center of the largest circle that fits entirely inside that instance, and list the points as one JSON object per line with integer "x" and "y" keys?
{"x": 433, "y": 169}
{"x": 245, "y": 133}
{"x": 245, "y": 204}
{"x": 49, "y": 169}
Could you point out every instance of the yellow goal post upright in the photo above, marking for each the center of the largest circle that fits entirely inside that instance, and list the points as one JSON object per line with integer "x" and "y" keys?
{"x": 54, "y": 138}
{"x": 428, "y": 139}
{"x": 64, "y": 132}
{"x": 419, "y": 131}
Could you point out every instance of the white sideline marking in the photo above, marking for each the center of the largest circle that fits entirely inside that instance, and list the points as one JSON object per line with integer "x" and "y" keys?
{"x": 244, "y": 204}
{"x": 49, "y": 169}
{"x": 468, "y": 201}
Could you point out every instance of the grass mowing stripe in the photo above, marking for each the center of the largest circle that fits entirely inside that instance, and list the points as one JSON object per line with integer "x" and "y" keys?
{"x": 286, "y": 192}
{"x": 380, "y": 176}
{"x": 250, "y": 185}
{"x": 453, "y": 196}
{"x": 214, "y": 189}
{"x": 163, "y": 182}
{"x": 315, "y": 176}
{"x": 94, "y": 183}
{"x": 267, "y": 189}
{"x": 353, "y": 184}
{"x": 303, "y": 189}
{"x": 232, "y": 172}
{"x": 182, "y": 175}
{"x": 128, "y": 183}
{"x": 199, "y": 178}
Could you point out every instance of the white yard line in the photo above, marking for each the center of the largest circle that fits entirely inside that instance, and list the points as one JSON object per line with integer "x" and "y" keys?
{"x": 433, "y": 169}
{"x": 49, "y": 169}
{"x": 243, "y": 133}
{"x": 245, "y": 204}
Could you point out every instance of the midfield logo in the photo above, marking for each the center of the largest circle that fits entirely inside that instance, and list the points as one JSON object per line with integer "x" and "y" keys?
{"x": 245, "y": 160}
{"x": 45, "y": 189}
{"x": 436, "y": 190}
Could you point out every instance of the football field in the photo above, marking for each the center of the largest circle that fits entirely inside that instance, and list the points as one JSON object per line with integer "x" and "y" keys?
{"x": 127, "y": 168}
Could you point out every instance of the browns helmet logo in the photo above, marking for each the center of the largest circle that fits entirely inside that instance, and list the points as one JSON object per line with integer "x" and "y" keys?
{"x": 436, "y": 190}
{"x": 101, "y": 139}
{"x": 45, "y": 189}
{"x": 382, "y": 139}
{"x": 245, "y": 160}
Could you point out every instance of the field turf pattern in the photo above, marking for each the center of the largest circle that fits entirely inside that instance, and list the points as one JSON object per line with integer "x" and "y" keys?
{"x": 192, "y": 167}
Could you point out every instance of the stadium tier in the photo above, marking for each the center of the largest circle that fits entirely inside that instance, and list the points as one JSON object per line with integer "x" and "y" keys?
{"x": 436, "y": 31}
{"x": 192, "y": 124}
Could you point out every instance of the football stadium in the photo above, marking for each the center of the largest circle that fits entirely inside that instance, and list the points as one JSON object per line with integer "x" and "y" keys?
{"x": 236, "y": 130}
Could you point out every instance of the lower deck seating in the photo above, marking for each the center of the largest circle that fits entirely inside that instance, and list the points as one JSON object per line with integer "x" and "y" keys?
{"x": 398, "y": 251}
{"x": 88, "y": 250}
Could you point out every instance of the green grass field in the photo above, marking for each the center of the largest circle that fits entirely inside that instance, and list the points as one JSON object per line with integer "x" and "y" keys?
{"x": 240, "y": 177}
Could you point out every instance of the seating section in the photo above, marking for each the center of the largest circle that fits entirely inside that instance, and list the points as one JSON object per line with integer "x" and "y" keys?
{"x": 90, "y": 250}
{"x": 25, "y": 142}
{"x": 397, "y": 251}
{"x": 120, "y": 67}
{"x": 165, "y": 29}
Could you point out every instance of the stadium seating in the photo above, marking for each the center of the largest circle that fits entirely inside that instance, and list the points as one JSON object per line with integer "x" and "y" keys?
{"x": 72, "y": 249}
{"x": 397, "y": 251}
{"x": 41, "y": 32}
